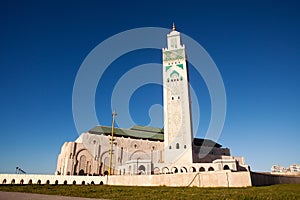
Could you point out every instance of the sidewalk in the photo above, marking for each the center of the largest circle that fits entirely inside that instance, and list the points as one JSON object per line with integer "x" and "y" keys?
{"x": 30, "y": 196}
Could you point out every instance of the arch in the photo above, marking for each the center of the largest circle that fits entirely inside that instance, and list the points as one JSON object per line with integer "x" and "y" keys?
{"x": 142, "y": 169}
{"x": 92, "y": 183}
{"x": 21, "y": 181}
{"x": 13, "y": 181}
{"x": 65, "y": 182}
{"x": 4, "y": 181}
{"x": 82, "y": 163}
{"x": 192, "y": 169}
{"x": 56, "y": 182}
{"x": 211, "y": 169}
{"x": 81, "y": 157}
{"x": 183, "y": 170}
{"x": 174, "y": 170}
{"x": 156, "y": 170}
{"x": 47, "y": 182}
{"x": 101, "y": 182}
{"x": 74, "y": 182}
{"x": 165, "y": 170}
{"x": 81, "y": 172}
{"x": 177, "y": 145}
{"x": 39, "y": 182}
{"x": 202, "y": 169}
{"x": 139, "y": 154}
{"x": 106, "y": 173}
{"x": 226, "y": 167}
{"x": 30, "y": 182}
{"x": 83, "y": 183}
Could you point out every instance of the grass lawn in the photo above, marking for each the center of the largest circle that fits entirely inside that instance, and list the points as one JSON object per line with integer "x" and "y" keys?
{"x": 291, "y": 191}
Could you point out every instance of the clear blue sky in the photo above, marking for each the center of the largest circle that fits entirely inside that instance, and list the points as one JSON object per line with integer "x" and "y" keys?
{"x": 255, "y": 44}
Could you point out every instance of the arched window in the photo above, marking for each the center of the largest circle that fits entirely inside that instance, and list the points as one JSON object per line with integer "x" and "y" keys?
{"x": 226, "y": 167}
{"x": 83, "y": 183}
{"x": 165, "y": 170}
{"x": 81, "y": 172}
{"x": 170, "y": 147}
{"x": 192, "y": 169}
{"x": 174, "y": 170}
{"x": 183, "y": 170}
{"x": 74, "y": 182}
{"x": 156, "y": 170}
{"x": 202, "y": 169}
{"x": 65, "y": 182}
{"x": 47, "y": 182}
{"x": 211, "y": 169}
{"x": 177, "y": 145}
{"x": 142, "y": 169}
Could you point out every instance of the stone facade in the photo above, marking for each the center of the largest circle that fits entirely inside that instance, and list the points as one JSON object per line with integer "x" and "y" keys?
{"x": 90, "y": 154}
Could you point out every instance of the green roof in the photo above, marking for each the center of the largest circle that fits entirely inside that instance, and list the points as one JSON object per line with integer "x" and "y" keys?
{"x": 147, "y": 129}
{"x": 138, "y": 132}
{"x": 146, "y": 132}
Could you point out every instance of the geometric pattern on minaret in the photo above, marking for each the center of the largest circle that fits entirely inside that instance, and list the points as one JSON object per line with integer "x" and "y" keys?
{"x": 178, "y": 134}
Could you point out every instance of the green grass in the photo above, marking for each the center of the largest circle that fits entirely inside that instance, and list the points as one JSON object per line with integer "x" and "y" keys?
{"x": 291, "y": 191}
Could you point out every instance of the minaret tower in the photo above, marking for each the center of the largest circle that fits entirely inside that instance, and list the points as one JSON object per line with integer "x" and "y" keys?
{"x": 178, "y": 134}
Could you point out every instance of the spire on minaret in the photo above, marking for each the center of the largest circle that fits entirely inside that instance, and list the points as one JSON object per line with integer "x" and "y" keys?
{"x": 173, "y": 28}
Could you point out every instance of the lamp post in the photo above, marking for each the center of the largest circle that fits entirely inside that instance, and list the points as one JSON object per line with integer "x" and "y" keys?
{"x": 137, "y": 166}
{"x": 114, "y": 114}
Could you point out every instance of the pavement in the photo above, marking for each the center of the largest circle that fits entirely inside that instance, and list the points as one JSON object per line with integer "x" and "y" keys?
{"x": 30, "y": 196}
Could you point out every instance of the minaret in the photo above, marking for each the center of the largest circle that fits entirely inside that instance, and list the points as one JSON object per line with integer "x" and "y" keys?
{"x": 177, "y": 110}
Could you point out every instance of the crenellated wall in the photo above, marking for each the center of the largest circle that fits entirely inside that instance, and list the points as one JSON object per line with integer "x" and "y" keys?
{"x": 50, "y": 179}
{"x": 197, "y": 179}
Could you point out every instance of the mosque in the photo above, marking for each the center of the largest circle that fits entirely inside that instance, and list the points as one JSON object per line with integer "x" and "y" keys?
{"x": 107, "y": 150}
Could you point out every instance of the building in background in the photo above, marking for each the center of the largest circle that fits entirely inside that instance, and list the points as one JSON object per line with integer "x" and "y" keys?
{"x": 292, "y": 169}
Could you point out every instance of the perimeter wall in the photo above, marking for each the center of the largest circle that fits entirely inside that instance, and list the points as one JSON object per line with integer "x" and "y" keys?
{"x": 260, "y": 179}
{"x": 224, "y": 178}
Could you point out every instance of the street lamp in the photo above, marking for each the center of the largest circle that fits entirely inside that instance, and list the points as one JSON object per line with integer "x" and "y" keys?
{"x": 137, "y": 166}
{"x": 114, "y": 114}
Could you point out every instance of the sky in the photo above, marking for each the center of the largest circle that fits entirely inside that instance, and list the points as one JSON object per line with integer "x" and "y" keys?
{"x": 254, "y": 44}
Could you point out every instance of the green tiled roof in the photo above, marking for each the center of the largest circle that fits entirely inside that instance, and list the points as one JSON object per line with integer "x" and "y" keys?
{"x": 147, "y": 129}
{"x": 138, "y": 132}
{"x": 145, "y": 132}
